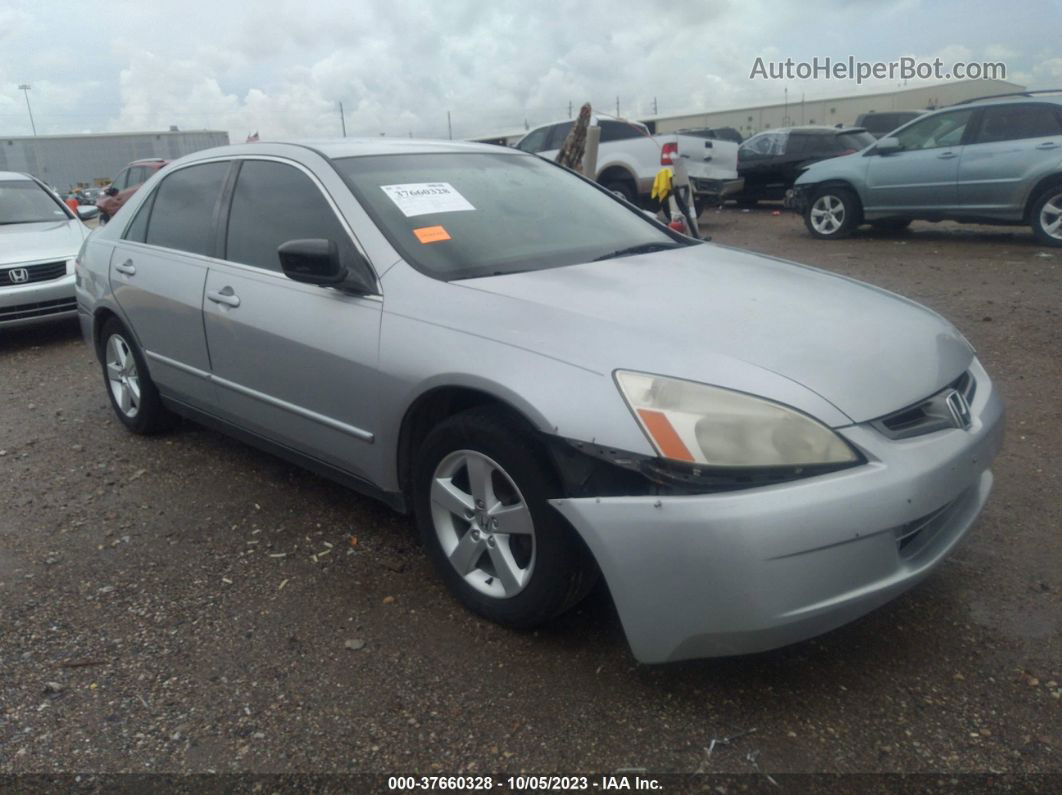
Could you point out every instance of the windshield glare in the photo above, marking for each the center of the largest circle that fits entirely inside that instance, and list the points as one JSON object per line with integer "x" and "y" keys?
{"x": 24, "y": 202}
{"x": 465, "y": 215}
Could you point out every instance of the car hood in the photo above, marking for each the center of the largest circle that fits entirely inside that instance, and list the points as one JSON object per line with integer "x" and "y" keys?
{"x": 47, "y": 240}
{"x": 706, "y": 312}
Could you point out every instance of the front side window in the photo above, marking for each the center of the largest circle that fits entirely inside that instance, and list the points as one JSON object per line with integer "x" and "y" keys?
{"x": 25, "y": 202}
{"x": 534, "y": 141}
{"x": 1014, "y": 122}
{"x": 944, "y": 129}
{"x": 764, "y": 145}
{"x": 183, "y": 215}
{"x": 272, "y": 204}
{"x": 465, "y": 215}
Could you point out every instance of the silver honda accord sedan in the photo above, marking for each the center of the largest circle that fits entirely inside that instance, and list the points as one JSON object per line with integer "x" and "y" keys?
{"x": 556, "y": 387}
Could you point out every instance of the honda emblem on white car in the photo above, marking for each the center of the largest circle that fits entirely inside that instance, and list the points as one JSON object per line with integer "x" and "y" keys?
{"x": 18, "y": 275}
{"x": 959, "y": 408}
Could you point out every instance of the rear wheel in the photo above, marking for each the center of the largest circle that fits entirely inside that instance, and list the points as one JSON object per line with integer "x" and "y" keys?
{"x": 1046, "y": 217}
{"x": 481, "y": 487}
{"x": 132, "y": 393}
{"x": 832, "y": 213}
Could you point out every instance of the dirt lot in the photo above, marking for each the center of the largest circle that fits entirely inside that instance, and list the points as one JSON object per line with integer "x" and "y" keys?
{"x": 197, "y": 605}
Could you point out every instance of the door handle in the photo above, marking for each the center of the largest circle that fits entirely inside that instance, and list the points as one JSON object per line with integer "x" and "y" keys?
{"x": 126, "y": 267}
{"x": 225, "y": 296}
{"x": 947, "y": 155}
{"x": 1047, "y": 145}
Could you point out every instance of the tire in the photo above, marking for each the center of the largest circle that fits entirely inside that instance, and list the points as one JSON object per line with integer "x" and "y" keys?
{"x": 1046, "y": 216}
{"x": 622, "y": 189}
{"x": 520, "y": 579}
{"x": 832, "y": 213}
{"x": 891, "y": 224}
{"x": 132, "y": 393}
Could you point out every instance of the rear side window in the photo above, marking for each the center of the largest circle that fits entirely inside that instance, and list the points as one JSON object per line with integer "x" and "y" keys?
{"x": 272, "y": 204}
{"x": 183, "y": 215}
{"x": 1014, "y": 122}
{"x": 618, "y": 131}
{"x": 137, "y": 231}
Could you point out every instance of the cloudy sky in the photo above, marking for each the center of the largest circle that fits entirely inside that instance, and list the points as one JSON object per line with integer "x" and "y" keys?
{"x": 282, "y": 66}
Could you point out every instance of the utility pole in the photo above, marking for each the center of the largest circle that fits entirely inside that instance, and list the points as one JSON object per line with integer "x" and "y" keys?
{"x": 617, "y": 106}
{"x": 449, "y": 126}
{"x": 569, "y": 108}
{"x": 25, "y": 89}
{"x": 655, "y": 111}
{"x": 343, "y": 119}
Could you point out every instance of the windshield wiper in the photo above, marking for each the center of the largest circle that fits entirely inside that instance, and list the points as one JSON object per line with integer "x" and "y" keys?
{"x": 641, "y": 248}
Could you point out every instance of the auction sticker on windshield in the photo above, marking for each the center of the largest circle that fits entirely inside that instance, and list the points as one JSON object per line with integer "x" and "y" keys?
{"x": 422, "y": 198}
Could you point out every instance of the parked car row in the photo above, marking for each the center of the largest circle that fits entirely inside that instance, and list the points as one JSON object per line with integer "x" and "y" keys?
{"x": 555, "y": 386}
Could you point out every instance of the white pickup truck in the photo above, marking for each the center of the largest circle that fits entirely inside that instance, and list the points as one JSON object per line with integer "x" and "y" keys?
{"x": 629, "y": 157}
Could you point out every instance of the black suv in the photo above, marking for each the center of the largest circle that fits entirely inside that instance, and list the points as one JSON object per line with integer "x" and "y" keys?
{"x": 771, "y": 161}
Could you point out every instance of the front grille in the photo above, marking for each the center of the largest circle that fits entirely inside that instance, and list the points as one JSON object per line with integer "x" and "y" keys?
{"x": 931, "y": 414}
{"x": 39, "y": 309}
{"x": 36, "y": 273}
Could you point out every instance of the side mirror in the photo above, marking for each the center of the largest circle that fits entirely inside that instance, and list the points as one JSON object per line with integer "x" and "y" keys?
{"x": 317, "y": 261}
{"x": 86, "y": 212}
{"x": 887, "y": 146}
{"x": 111, "y": 191}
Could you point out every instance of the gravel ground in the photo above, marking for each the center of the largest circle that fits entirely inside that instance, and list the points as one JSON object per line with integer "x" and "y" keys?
{"x": 187, "y": 604}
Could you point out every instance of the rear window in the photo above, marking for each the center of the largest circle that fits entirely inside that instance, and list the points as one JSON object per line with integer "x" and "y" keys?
{"x": 464, "y": 215}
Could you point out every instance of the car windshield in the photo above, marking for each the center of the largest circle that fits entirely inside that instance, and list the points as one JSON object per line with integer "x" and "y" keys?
{"x": 25, "y": 202}
{"x": 465, "y": 215}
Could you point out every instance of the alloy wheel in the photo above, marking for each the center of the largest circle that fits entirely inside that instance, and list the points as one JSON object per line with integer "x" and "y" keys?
{"x": 1051, "y": 217}
{"x": 483, "y": 524}
{"x": 827, "y": 214}
{"x": 122, "y": 376}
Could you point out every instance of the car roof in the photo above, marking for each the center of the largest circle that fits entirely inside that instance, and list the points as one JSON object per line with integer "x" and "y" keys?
{"x": 1016, "y": 98}
{"x": 334, "y": 148}
{"x": 11, "y": 176}
{"x": 815, "y": 129}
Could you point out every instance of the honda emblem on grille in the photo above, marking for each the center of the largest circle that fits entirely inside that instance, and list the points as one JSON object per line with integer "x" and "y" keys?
{"x": 18, "y": 275}
{"x": 959, "y": 408}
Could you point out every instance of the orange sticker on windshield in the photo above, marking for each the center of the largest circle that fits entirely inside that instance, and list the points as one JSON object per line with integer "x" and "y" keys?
{"x": 431, "y": 234}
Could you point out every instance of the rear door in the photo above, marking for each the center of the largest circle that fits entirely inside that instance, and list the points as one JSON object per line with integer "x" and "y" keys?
{"x": 158, "y": 271}
{"x": 293, "y": 363}
{"x": 1015, "y": 144}
{"x": 923, "y": 175}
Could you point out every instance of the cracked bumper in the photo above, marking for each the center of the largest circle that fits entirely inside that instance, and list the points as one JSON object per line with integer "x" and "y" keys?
{"x": 742, "y": 572}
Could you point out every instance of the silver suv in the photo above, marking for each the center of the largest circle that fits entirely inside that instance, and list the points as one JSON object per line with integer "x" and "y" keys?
{"x": 996, "y": 160}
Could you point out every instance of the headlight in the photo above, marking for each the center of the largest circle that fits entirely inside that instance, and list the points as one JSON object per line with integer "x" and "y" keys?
{"x": 707, "y": 425}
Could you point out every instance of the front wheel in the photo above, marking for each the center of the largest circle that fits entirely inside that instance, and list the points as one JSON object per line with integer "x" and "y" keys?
{"x": 1046, "y": 217}
{"x": 832, "y": 213}
{"x": 481, "y": 486}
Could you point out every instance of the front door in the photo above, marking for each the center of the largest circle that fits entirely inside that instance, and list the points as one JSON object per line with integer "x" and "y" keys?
{"x": 294, "y": 363}
{"x": 921, "y": 176}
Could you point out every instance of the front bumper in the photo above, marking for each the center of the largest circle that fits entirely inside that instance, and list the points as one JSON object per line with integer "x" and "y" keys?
{"x": 741, "y": 572}
{"x": 37, "y": 302}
